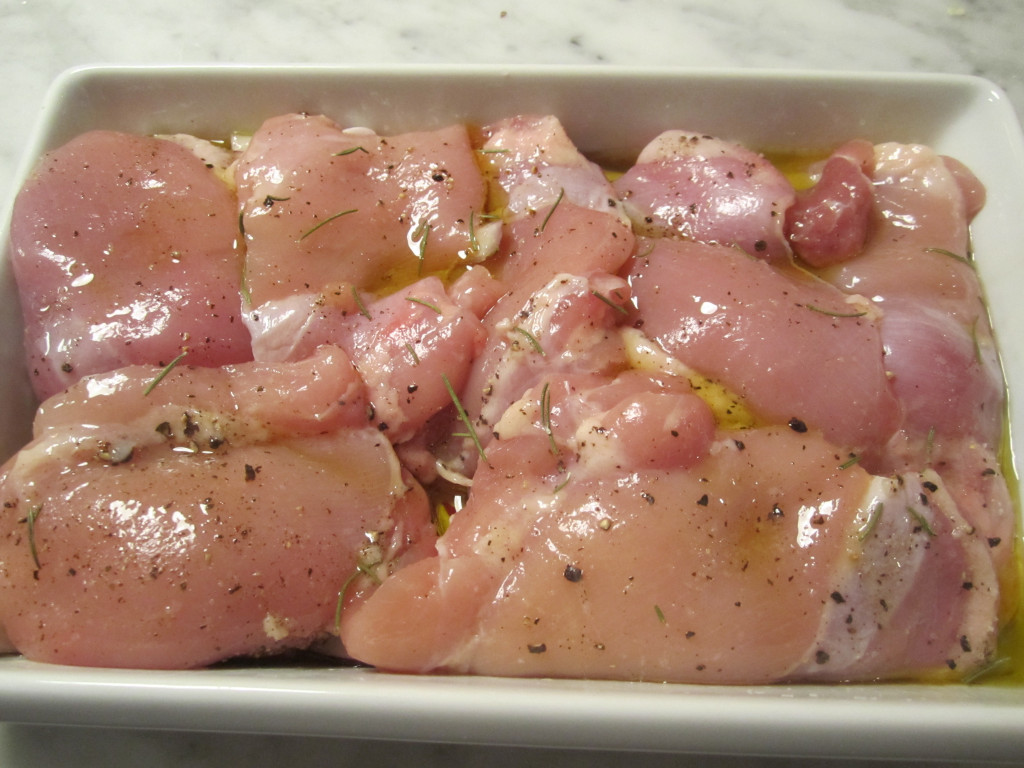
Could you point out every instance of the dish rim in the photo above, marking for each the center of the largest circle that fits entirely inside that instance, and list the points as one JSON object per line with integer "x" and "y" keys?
{"x": 944, "y": 722}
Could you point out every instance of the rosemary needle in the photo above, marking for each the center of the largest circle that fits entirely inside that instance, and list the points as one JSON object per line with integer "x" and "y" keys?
{"x": 166, "y": 369}
{"x": 617, "y": 307}
{"x": 545, "y": 416}
{"x": 425, "y": 303}
{"x": 421, "y": 236}
{"x": 464, "y": 417}
{"x": 874, "y": 514}
{"x": 561, "y": 194}
{"x": 950, "y": 254}
{"x": 832, "y": 313}
{"x": 33, "y": 513}
{"x": 325, "y": 222}
{"x": 531, "y": 338}
{"x": 359, "y": 303}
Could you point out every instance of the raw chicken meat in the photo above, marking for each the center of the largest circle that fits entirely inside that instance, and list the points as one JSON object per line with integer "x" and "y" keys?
{"x": 717, "y": 557}
{"x": 552, "y": 298}
{"x": 126, "y": 251}
{"x": 791, "y": 347}
{"x": 219, "y": 514}
{"x": 401, "y": 345}
{"x": 829, "y": 222}
{"x": 322, "y": 206}
{"x": 532, "y": 163}
{"x": 708, "y": 190}
{"x": 694, "y": 426}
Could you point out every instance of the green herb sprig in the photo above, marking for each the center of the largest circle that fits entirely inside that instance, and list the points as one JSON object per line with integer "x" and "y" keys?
{"x": 325, "y": 222}
{"x": 30, "y": 519}
{"x": 561, "y": 194}
{"x": 874, "y": 515}
{"x": 530, "y": 338}
{"x": 425, "y": 303}
{"x": 163, "y": 373}
{"x": 545, "y": 416}
{"x": 833, "y": 313}
{"x": 950, "y": 254}
{"x": 464, "y": 417}
{"x": 617, "y": 307}
{"x": 359, "y": 303}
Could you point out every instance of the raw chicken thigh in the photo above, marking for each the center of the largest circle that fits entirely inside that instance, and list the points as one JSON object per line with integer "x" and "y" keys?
{"x": 322, "y": 206}
{"x": 346, "y": 234}
{"x": 709, "y": 190}
{"x": 126, "y": 251}
{"x": 635, "y": 542}
{"x": 622, "y": 527}
{"x": 219, "y": 514}
{"x": 512, "y": 415}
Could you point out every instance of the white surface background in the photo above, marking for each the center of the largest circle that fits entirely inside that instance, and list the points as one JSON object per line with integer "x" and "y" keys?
{"x": 40, "y": 38}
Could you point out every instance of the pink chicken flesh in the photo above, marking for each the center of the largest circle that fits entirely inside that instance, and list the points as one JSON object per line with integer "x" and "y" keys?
{"x": 126, "y": 251}
{"x": 700, "y": 427}
{"x": 718, "y": 557}
{"x": 220, "y": 515}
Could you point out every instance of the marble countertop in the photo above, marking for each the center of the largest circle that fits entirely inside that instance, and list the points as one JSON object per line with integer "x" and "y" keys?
{"x": 41, "y": 38}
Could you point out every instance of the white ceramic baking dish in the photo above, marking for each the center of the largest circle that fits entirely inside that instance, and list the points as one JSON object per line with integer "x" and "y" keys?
{"x": 610, "y": 113}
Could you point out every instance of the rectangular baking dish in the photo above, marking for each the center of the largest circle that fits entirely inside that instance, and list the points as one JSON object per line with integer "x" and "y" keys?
{"x": 611, "y": 114}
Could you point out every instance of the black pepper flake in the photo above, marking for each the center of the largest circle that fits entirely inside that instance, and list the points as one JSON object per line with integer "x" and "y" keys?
{"x": 67, "y": 368}
{"x": 740, "y": 445}
{"x": 539, "y": 648}
{"x": 797, "y": 425}
{"x": 573, "y": 573}
{"x": 950, "y": 663}
{"x": 838, "y": 597}
{"x": 821, "y": 657}
{"x": 965, "y": 644}
{"x": 968, "y": 585}
{"x": 412, "y": 388}
{"x": 776, "y": 512}
{"x": 929, "y": 485}
{"x": 250, "y": 473}
{"x": 647, "y": 497}
{"x": 760, "y": 246}
{"x": 994, "y": 541}
{"x": 383, "y": 426}
{"x": 703, "y": 500}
